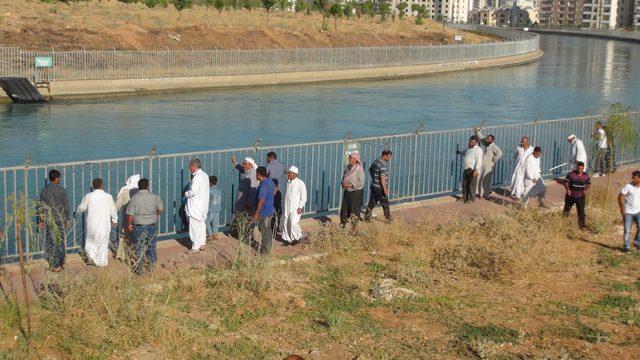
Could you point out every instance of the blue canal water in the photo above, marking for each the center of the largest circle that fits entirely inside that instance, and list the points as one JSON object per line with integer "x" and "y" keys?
{"x": 576, "y": 75}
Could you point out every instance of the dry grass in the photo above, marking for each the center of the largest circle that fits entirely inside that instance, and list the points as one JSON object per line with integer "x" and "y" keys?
{"x": 107, "y": 24}
{"x": 512, "y": 285}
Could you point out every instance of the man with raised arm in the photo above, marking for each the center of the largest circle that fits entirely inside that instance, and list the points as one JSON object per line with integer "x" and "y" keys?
{"x": 492, "y": 153}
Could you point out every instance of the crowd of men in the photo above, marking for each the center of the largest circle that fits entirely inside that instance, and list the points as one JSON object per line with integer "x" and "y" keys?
{"x": 260, "y": 204}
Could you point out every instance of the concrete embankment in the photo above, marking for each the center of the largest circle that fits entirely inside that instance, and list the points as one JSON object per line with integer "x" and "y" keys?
{"x": 609, "y": 35}
{"x": 94, "y": 88}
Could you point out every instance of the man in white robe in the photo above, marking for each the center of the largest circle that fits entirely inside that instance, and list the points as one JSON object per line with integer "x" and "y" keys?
{"x": 533, "y": 183}
{"x": 578, "y": 152}
{"x": 122, "y": 200}
{"x": 101, "y": 216}
{"x": 197, "y": 207}
{"x": 294, "y": 201}
{"x": 517, "y": 179}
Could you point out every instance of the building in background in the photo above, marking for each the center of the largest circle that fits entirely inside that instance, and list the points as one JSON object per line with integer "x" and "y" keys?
{"x": 560, "y": 13}
{"x": 626, "y": 12}
{"x": 454, "y": 11}
{"x": 600, "y": 14}
{"x": 636, "y": 21}
{"x": 516, "y": 16}
{"x": 484, "y": 16}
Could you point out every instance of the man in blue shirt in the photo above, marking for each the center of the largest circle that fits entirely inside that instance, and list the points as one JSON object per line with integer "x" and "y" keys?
{"x": 264, "y": 209}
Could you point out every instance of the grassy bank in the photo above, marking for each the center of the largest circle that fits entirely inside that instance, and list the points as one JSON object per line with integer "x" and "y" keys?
{"x": 104, "y": 25}
{"x": 511, "y": 285}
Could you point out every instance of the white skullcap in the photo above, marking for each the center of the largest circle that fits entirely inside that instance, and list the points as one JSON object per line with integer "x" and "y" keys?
{"x": 252, "y": 162}
{"x": 293, "y": 169}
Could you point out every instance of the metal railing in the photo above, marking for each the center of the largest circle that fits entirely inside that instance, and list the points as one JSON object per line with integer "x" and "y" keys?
{"x": 424, "y": 164}
{"x": 91, "y": 65}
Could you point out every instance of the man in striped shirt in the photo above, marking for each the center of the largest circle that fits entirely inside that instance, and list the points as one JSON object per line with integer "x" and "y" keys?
{"x": 379, "y": 172}
{"x": 576, "y": 185}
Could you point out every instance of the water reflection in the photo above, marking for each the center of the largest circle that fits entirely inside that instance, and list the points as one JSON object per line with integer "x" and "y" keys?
{"x": 576, "y": 74}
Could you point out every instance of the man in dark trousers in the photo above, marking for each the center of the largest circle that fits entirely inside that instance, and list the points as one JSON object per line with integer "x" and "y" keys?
{"x": 55, "y": 203}
{"x": 576, "y": 184}
{"x": 379, "y": 172}
{"x": 472, "y": 165}
{"x": 143, "y": 211}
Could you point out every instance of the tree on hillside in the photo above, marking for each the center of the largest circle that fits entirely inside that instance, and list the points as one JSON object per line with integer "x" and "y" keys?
{"x": 369, "y": 8}
{"x": 621, "y": 137}
{"x": 284, "y": 5}
{"x": 300, "y": 6}
{"x": 247, "y": 4}
{"x": 323, "y": 6}
{"x": 268, "y": 5}
{"x": 385, "y": 10}
{"x": 336, "y": 11}
{"x": 421, "y": 11}
{"x": 181, "y": 5}
{"x": 217, "y": 4}
{"x": 402, "y": 7}
{"x": 156, "y": 3}
{"x": 347, "y": 9}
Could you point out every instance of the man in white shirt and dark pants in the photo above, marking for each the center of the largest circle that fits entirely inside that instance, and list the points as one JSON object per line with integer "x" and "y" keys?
{"x": 601, "y": 151}
{"x": 629, "y": 201}
{"x": 472, "y": 166}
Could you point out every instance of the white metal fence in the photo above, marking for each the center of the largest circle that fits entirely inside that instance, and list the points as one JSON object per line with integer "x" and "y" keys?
{"x": 85, "y": 65}
{"x": 424, "y": 164}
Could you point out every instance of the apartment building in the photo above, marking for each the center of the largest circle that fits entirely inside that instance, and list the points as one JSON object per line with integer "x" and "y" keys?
{"x": 600, "y": 14}
{"x": 565, "y": 13}
{"x": 455, "y": 11}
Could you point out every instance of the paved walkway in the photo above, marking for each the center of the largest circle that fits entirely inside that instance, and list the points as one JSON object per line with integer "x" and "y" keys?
{"x": 172, "y": 254}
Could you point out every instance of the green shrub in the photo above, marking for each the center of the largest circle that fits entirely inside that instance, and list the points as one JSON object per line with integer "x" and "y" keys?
{"x": 156, "y": 3}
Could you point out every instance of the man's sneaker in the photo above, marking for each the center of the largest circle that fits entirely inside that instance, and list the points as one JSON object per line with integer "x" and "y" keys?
{"x": 625, "y": 250}
{"x": 193, "y": 251}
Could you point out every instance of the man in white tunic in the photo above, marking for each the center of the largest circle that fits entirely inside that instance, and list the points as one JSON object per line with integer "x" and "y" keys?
{"x": 533, "y": 183}
{"x": 294, "y": 201}
{"x": 517, "y": 179}
{"x": 197, "y": 206}
{"x": 578, "y": 153}
{"x": 101, "y": 216}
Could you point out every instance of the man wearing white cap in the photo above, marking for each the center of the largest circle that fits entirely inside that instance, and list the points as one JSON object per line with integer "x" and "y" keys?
{"x": 352, "y": 185}
{"x": 248, "y": 186}
{"x": 197, "y": 206}
{"x": 294, "y": 201}
{"x": 578, "y": 153}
